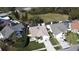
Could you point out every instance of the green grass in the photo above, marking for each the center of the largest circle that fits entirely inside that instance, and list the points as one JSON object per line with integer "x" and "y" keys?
{"x": 32, "y": 46}
{"x": 51, "y": 17}
{"x": 58, "y": 47}
{"x": 72, "y": 38}
{"x": 53, "y": 40}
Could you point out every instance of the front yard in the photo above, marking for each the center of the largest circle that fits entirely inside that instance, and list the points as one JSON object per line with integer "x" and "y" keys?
{"x": 52, "y": 39}
{"x": 72, "y": 38}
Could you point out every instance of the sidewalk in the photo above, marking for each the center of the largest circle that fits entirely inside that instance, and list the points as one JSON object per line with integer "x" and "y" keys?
{"x": 39, "y": 49}
{"x": 48, "y": 45}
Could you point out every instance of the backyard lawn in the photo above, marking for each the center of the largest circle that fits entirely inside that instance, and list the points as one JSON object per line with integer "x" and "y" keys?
{"x": 72, "y": 38}
{"x": 51, "y": 17}
{"x": 32, "y": 46}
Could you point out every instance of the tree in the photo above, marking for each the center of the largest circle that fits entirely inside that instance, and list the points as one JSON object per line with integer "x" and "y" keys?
{"x": 24, "y": 16}
{"x": 36, "y": 20}
{"x": 74, "y": 14}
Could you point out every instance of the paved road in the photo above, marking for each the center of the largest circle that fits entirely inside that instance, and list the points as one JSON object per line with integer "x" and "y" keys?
{"x": 63, "y": 43}
{"x": 72, "y": 48}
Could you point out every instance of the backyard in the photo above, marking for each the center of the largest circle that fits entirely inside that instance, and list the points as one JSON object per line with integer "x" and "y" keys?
{"x": 32, "y": 46}
{"x": 50, "y": 17}
{"x": 72, "y": 38}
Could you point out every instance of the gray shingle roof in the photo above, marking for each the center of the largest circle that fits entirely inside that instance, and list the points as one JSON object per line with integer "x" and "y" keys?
{"x": 7, "y": 31}
{"x": 18, "y": 27}
{"x": 58, "y": 28}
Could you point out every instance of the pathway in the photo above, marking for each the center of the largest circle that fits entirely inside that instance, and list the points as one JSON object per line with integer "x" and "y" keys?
{"x": 48, "y": 45}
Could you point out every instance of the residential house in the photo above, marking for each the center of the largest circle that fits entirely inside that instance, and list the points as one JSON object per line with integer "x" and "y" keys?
{"x": 39, "y": 34}
{"x": 74, "y": 26}
{"x": 18, "y": 29}
{"x": 38, "y": 31}
{"x": 10, "y": 26}
{"x": 6, "y": 32}
{"x": 58, "y": 31}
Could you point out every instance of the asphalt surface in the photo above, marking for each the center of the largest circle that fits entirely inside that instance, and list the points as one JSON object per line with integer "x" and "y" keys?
{"x": 72, "y": 48}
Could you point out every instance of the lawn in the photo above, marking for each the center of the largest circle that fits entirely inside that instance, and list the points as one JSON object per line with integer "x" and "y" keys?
{"x": 58, "y": 47}
{"x": 51, "y": 17}
{"x": 53, "y": 40}
{"x": 32, "y": 46}
{"x": 72, "y": 38}
{"x": 20, "y": 44}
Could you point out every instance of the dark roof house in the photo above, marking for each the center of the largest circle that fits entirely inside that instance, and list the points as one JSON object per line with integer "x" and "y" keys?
{"x": 58, "y": 28}
{"x": 6, "y": 32}
{"x": 18, "y": 27}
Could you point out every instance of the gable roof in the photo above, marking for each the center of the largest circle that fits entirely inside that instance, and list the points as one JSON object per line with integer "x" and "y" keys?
{"x": 7, "y": 31}
{"x": 58, "y": 28}
{"x": 18, "y": 27}
{"x": 38, "y": 31}
{"x": 75, "y": 24}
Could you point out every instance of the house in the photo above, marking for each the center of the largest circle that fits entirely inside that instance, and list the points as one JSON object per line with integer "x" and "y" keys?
{"x": 58, "y": 31}
{"x": 6, "y": 32}
{"x": 38, "y": 31}
{"x": 5, "y": 22}
{"x": 39, "y": 34}
{"x": 18, "y": 29}
{"x": 74, "y": 26}
{"x": 15, "y": 25}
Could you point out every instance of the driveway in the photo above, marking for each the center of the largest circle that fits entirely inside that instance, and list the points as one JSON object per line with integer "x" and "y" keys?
{"x": 63, "y": 43}
{"x": 48, "y": 45}
{"x": 72, "y": 48}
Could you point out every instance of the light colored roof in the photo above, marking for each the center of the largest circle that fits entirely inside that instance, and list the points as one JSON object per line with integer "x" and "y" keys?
{"x": 15, "y": 21}
{"x": 7, "y": 31}
{"x": 58, "y": 28}
{"x": 5, "y": 18}
{"x": 38, "y": 31}
{"x": 75, "y": 24}
{"x": 5, "y": 14}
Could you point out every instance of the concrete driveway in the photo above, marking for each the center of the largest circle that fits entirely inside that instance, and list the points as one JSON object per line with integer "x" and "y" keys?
{"x": 48, "y": 45}
{"x": 72, "y": 48}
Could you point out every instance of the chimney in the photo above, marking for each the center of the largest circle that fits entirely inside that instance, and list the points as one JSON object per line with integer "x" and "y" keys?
{"x": 43, "y": 24}
{"x": 38, "y": 24}
{"x": 51, "y": 23}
